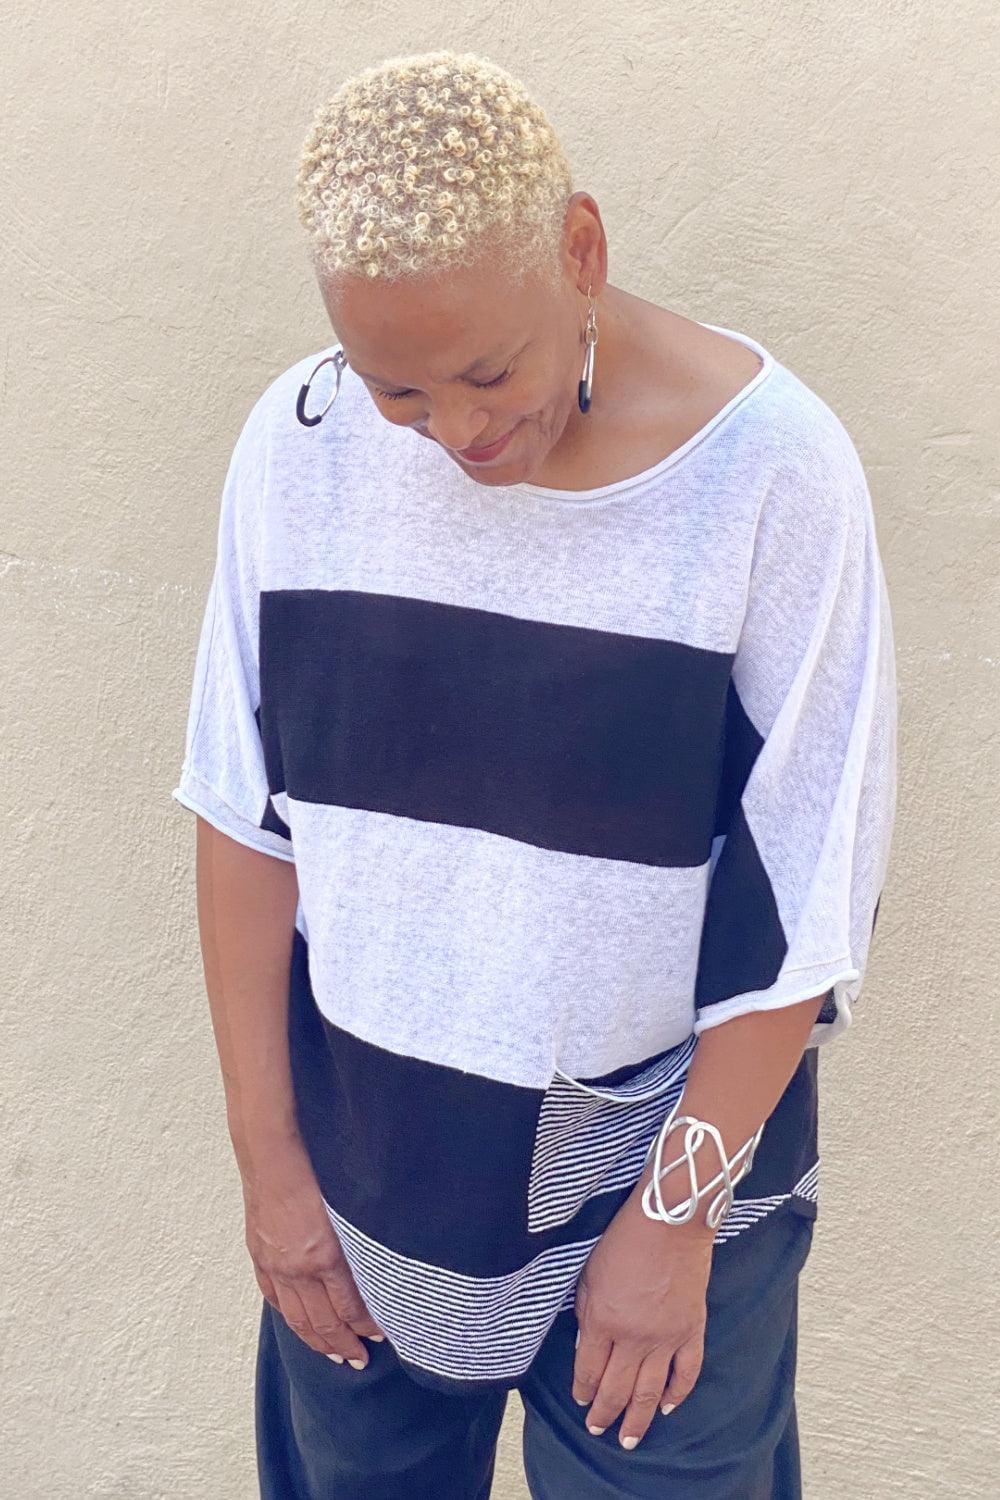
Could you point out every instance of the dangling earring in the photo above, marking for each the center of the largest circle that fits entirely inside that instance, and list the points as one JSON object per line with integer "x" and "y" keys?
{"x": 590, "y": 339}
{"x": 339, "y": 360}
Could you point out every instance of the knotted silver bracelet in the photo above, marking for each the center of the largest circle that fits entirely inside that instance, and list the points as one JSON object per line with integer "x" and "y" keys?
{"x": 653, "y": 1205}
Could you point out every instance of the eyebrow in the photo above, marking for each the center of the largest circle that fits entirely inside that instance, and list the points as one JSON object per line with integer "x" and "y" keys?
{"x": 487, "y": 359}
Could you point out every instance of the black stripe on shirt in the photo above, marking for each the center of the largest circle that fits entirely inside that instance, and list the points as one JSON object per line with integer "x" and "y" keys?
{"x": 569, "y": 738}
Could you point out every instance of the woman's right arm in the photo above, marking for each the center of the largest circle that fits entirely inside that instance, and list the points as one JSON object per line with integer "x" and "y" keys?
{"x": 246, "y": 921}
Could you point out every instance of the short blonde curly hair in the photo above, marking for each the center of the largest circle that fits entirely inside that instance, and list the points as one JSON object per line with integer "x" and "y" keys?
{"x": 416, "y": 165}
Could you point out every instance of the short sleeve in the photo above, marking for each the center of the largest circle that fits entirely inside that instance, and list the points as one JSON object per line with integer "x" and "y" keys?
{"x": 224, "y": 777}
{"x": 808, "y": 789}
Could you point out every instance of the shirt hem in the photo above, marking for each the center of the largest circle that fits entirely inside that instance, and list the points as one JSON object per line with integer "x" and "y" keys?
{"x": 725, "y": 1010}
{"x": 238, "y": 833}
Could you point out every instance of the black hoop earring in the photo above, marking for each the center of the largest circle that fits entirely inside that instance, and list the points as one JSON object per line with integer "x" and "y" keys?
{"x": 339, "y": 360}
{"x": 586, "y": 385}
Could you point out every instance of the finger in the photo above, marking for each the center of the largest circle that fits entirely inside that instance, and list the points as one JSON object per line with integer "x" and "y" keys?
{"x": 294, "y": 1312}
{"x": 328, "y": 1323}
{"x": 646, "y": 1397}
{"x": 345, "y": 1298}
{"x": 684, "y": 1373}
{"x": 591, "y": 1357}
{"x": 615, "y": 1389}
{"x": 267, "y": 1287}
{"x": 376, "y": 1336}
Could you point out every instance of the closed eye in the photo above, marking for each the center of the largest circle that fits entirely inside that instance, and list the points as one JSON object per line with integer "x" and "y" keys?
{"x": 497, "y": 380}
{"x": 480, "y": 385}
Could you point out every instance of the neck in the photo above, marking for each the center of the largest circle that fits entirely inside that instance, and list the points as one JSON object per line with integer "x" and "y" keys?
{"x": 587, "y": 432}
{"x": 617, "y": 339}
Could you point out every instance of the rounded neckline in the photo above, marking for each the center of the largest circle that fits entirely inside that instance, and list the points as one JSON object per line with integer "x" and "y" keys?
{"x": 618, "y": 485}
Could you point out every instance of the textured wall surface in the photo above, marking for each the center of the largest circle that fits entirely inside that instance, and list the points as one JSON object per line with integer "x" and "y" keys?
{"x": 821, "y": 175}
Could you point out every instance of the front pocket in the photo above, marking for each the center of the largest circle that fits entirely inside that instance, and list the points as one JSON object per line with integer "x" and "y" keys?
{"x": 593, "y": 1137}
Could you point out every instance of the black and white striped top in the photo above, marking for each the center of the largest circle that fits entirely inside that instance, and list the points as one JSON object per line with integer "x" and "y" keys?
{"x": 567, "y": 778}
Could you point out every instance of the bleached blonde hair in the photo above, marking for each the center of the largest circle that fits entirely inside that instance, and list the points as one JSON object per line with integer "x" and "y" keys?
{"x": 422, "y": 163}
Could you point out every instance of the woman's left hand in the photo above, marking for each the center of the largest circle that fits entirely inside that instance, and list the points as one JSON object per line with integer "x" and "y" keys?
{"x": 641, "y": 1309}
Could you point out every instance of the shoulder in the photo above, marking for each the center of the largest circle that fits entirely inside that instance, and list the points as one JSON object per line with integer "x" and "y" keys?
{"x": 272, "y": 414}
{"x": 276, "y": 459}
{"x": 270, "y": 438}
{"x": 285, "y": 479}
{"x": 814, "y": 479}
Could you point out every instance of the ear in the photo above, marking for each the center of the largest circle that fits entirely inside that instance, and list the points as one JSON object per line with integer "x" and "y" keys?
{"x": 585, "y": 245}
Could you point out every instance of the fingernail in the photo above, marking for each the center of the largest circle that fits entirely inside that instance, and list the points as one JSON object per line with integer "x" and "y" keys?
{"x": 377, "y": 1338}
{"x": 578, "y": 1338}
{"x": 596, "y": 1430}
{"x": 581, "y": 1400}
{"x": 357, "y": 1364}
{"x": 630, "y": 1442}
{"x": 667, "y": 1408}
{"x": 338, "y": 1359}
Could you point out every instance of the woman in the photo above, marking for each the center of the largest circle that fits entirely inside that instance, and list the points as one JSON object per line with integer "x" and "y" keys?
{"x": 543, "y": 745}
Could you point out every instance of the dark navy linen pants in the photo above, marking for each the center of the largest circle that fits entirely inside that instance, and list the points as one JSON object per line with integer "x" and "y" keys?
{"x": 327, "y": 1432}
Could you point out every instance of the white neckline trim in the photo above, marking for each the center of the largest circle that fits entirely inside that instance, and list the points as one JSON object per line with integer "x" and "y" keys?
{"x": 569, "y": 496}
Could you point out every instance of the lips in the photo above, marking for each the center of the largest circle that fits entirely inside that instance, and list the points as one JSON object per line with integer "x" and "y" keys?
{"x": 482, "y": 455}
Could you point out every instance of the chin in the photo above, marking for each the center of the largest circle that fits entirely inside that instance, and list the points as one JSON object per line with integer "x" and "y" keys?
{"x": 496, "y": 476}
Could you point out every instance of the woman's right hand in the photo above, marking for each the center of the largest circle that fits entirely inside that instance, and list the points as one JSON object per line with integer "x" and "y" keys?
{"x": 298, "y": 1261}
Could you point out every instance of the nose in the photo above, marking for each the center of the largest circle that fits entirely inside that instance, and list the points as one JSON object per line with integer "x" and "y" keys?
{"x": 457, "y": 430}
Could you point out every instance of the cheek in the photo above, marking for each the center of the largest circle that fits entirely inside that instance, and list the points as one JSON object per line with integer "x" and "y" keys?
{"x": 541, "y": 403}
{"x": 392, "y": 412}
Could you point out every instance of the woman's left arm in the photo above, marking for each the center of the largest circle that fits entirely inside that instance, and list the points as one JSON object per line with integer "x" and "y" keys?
{"x": 805, "y": 811}
{"x": 641, "y": 1300}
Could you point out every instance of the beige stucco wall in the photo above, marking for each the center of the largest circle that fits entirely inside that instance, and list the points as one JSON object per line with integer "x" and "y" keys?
{"x": 817, "y": 174}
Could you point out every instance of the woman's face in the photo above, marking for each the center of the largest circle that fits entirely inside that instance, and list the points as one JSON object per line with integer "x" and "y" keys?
{"x": 467, "y": 359}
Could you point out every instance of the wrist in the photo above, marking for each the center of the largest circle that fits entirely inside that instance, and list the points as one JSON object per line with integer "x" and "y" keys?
{"x": 695, "y": 1230}
{"x": 262, "y": 1141}
{"x": 682, "y": 1184}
